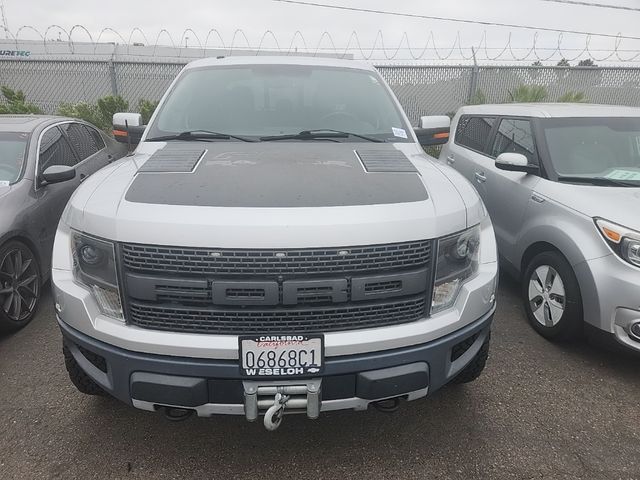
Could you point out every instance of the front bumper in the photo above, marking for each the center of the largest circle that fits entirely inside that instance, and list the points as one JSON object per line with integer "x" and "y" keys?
{"x": 211, "y": 387}
{"x": 611, "y": 297}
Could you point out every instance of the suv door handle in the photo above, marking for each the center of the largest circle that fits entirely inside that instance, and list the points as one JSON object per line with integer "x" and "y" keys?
{"x": 450, "y": 159}
{"x": 480, "y": 177}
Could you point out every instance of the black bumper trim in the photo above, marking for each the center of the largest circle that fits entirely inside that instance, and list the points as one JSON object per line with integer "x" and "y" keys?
{"x": 222, "y": 377}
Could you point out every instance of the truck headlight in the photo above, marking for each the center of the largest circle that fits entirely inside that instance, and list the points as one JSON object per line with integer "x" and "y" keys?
{"x": 94, "y": 266}
{"x": 456, "y": 262}
{"x": 623, "y": 241}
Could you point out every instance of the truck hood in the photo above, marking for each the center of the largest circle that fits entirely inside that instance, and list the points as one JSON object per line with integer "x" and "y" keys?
{"x": 616, "y": 204}
{"x": 270, "y": 195}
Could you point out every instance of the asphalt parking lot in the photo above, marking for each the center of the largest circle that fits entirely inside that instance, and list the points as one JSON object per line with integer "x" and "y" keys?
{"x": 539, "y": 411}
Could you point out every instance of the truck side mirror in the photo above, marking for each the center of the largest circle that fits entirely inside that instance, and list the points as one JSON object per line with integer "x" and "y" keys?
{"x": 515, "y": 162}
{"x": 433, "y": 130}
{"x": 128, "y": 128}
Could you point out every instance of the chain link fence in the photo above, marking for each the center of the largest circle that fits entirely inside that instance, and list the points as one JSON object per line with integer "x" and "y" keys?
{"x": 422, "y": 90}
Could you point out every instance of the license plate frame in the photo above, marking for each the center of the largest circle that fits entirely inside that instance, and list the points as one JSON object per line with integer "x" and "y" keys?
{"x": 261, "y": 365}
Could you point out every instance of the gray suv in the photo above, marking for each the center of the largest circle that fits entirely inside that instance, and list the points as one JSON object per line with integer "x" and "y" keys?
{"x": 562, "y": 185}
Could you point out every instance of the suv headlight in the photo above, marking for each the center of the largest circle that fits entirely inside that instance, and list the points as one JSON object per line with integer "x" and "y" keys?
{"x": 457, "y": 261}
{"x": 94, "y": 266}
{"x": 623, "y": 241}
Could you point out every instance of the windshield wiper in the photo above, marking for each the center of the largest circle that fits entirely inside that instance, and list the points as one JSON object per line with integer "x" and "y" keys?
{"x": 319, "y": 134}
{"x": 601, "y": 181}
{"x": 198, "y": 135}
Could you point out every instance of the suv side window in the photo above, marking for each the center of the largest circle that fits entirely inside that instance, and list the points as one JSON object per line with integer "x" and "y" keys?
{"x": 473, "y": 132}
{"x": 515, "y": 136}
{"x": 83, "y": 142}
{"x": 55, "y": 150}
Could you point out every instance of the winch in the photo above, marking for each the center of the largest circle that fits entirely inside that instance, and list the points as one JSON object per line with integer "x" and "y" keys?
{"x": 274, "y": 399}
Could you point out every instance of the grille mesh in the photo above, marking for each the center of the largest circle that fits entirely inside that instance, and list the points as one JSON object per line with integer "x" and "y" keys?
{"x": 248, "y": 322}
{"x": 194, "y": 261}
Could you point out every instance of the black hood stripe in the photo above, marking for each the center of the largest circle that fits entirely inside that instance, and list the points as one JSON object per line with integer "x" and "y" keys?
{"x": 282, "y": 175}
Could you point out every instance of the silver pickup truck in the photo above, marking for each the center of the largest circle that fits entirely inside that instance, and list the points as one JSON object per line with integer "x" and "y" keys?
{"x": 278, "y": 242}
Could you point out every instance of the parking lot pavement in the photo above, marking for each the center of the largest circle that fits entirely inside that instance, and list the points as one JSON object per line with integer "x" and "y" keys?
{"x": 539, "y": 411}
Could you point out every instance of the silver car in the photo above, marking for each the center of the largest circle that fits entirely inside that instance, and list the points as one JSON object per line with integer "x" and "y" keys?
{"x": 42, "y": 161}
{"x": 562, "y": 185}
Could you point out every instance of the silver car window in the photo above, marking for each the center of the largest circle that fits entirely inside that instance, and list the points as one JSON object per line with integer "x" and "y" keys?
{"x": 514, "y": 136}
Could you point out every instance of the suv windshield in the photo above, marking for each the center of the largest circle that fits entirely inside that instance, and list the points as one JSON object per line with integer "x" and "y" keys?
{"x": 270, "y": 100}
{"x": 13, "y": 147}
{"x": 605, "y": 149}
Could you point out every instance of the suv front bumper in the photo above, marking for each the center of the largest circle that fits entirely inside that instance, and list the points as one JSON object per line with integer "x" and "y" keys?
{"x": 211, "y": 387}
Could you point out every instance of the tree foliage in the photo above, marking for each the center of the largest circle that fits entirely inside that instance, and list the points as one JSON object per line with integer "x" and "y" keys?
{"x": 587, "y": 63}
{"x": 563, "y": 63}
{"x": 16, "y": 102}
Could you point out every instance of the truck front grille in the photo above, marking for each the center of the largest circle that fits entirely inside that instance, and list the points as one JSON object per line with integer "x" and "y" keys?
{"x": 248, "y": 322}
{"x": 335, "y": 289}
{"x": 212, "y": 261}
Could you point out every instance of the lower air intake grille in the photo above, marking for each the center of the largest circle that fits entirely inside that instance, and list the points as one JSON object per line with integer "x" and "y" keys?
{"x": 256, "y": 321}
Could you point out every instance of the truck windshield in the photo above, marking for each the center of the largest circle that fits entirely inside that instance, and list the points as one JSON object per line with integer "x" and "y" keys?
{"x": 13, "y": 147}
{"x": 270, "y": 100}
{"x": 598, "y": 148}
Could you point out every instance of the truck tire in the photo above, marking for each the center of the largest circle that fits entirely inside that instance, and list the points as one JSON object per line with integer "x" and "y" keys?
{"x": 472, "y": 371}
{"x": 79, "y": 378}
{"x": 554, "y": 303}
{"x": 20, "y": 282}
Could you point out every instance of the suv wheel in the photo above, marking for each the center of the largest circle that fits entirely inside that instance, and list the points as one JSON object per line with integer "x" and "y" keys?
{"x": 472, "y": 371}
{"x": 19, "y": 286}
{"x": 78, "y": 377}
{"x": 552, "y": 297}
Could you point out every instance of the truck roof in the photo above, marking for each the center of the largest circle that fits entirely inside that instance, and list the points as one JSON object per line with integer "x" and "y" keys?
{"x": 550, "y": 110}
{"x": 279, "y": 60}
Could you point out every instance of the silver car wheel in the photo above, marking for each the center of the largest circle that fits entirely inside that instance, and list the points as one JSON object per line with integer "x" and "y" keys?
{"x": 547, "y": 297}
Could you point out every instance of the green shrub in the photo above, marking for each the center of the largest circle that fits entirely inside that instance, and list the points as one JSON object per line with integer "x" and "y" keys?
{"x": 84, "y": 111}
{"x": 146, "y": 109}
{"x": 528, "y": 94}
{"x": 573, "y": 97}
{"x": 16, "y": 102}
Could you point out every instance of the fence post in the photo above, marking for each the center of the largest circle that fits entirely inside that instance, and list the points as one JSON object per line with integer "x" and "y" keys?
{"x": 475, "y": 73}
{"x": 112, "y": 75}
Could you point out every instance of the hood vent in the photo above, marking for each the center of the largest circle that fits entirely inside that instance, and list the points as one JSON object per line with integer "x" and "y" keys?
{"x": 173, "y": 158}
{"x": 385, "y": 161}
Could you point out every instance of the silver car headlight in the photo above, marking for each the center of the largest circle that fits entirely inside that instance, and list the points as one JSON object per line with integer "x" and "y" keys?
{"x": 94, "y": 266}
{"x": 457, "y": 261}
{"x": 623, "y": 241}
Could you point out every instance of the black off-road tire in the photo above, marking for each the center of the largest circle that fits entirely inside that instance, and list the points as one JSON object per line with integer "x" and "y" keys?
{"x": 571, "y": 325}
{"x": 472, "y": 371}
{"x": 78, "y": 377}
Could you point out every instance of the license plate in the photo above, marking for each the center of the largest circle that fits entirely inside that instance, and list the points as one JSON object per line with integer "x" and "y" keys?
{"x": 281, "y": 355}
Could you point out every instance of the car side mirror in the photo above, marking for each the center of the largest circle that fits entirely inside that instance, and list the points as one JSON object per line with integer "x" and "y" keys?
{"x": 128, "y": 128}
{"x": 433, "y": 130}
{"x": 515, "y": 162}
{"x": 57, "y": 174}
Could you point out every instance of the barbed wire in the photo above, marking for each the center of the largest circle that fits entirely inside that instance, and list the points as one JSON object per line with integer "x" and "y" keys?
{"x": 379, "y": 49}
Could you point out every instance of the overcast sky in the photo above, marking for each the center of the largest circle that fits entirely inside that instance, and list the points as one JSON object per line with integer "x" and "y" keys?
{"x": 254, "y": 17}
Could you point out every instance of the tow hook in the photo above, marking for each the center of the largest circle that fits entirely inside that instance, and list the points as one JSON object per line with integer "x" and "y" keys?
{"x": 271, "y": 399}
{"x": 273, "y": 416}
